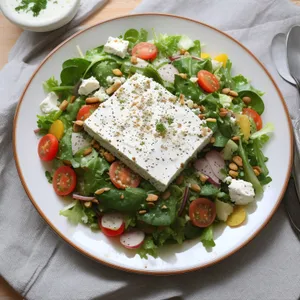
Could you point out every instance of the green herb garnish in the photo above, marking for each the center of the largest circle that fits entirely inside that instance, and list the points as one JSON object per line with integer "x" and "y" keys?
{"x": 34, "y": 5}
{"x": 161, "y": 128}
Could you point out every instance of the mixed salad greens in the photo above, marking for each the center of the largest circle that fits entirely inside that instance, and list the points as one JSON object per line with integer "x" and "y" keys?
{"x": 214, "y": 188}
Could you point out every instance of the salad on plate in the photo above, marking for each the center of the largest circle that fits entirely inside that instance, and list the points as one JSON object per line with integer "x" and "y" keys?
{"x": 155, "y": 140}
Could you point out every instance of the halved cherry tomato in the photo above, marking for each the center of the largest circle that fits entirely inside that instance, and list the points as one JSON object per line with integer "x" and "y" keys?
{"x": 64, "y": 181}
{"x": 109, "y": 232}
{"x": 145, "y": 51}
{"x": 48, "y": 147}
{"x": 254, "y": 115}
{"x": 202, "y": 212}
{"x": 85, "y": 111}
{"x": 122, "y": 177}
{"x": 208, "y": 81}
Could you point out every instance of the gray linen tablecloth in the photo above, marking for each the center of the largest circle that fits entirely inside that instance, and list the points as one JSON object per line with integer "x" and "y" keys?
{"x": 40, "y": 265}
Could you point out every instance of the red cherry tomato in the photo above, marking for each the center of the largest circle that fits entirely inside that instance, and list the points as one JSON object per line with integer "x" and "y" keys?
{"x": 85, "y": 111}
{"x": 64, "y": 181}
{"x": 208, "y": 81}
{"x": 122, "y": 177}
{"x": 254, "y": 115}
{"x": 145, "y": 51}
{"x": 202, "y": 212}
{"x": 109, "y": 232}
{"x": 48, "y": 147}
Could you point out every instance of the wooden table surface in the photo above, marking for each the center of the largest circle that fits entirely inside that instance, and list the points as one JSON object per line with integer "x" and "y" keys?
{"x": 9, "y": 33}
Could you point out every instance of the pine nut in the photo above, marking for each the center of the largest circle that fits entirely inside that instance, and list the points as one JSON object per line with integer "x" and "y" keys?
{"x": 87, "y": 151}
{"x": 246, "y": 100}
{"x": 223, "y": 112}
{"x": 182, "y": 51}
{"x": 72, "y": 99}
{"x": 235, "y": 138}
{"x": 203, "y": 178}
{"x": 77, "y": 128}
{"x": 152, "y": 198}
{"x": 101, "y": 191}
{"x": 256, "y": 170}
{"x": 183, "y": 75}
{"x": 233, "y": 166}
{"x": 179, "y": 180}
{"x": 133, "y": 60}
{"x": 166, "y": 195}
{"x": 201, "y": 116}
{"x": 233, "y": 173}
{"x": 202, "y": 108}
{"x": 164, "y": 207}
{"x": 117, "y": 72}
{"x": 195, "y": 187}
{"x": 212, "y": 140}
{"x": 225, "y": 91}
{"x": 181, "y": 99}
{"x": 113, "y": 88}
{"x": 63, "y": 106}
{"x": 142, "y": 212}
{"x": 151, "y": 204}
{"x": 238, "y": 160}
{"x": 92, "y": 100}
{"x": 213, "y": 120}
{"x": 78, "y": 122}
{"x": 233, "y": 93}
{"x": 87, "y": 204}
{"x": 109, "y": 157}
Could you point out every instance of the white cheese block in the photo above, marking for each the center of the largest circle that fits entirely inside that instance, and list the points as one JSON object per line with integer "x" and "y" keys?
{"x": 129, "y": 125}
{"x": 49, "y": 104}
{"x": 116, "y": 46}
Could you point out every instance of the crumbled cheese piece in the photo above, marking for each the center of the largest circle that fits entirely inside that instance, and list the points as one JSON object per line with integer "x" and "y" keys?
{"x": 224, "y": 210}
{"x": 143, "y": 126}
{"x": 49, "y": 104}
{"x": 241, "y": 192}
{"x": 113, "y": 79}
{"x": 189, "y": 103}
{"x": 194, "y": 79}
{"x": 88, "y": 86}
{"x": 216, "y": 65}
{"x": 232, "y": 120}
{"x": 227, "y": 179}
{"x": 116, "y": 46}
{"x": 101, "y": 94}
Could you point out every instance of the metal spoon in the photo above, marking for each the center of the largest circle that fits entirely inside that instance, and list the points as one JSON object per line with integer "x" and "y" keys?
{"x": 279, "y": 55}
{"x": 293, "y": 54}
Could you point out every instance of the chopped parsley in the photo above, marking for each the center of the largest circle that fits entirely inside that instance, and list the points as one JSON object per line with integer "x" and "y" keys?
{"x": 170, "y": 120}
{"x": 34, "y": 5}
{"x": 161, "y": 128}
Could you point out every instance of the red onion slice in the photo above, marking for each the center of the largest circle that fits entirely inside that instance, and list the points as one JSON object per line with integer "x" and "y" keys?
{"x": 184, "y": 200}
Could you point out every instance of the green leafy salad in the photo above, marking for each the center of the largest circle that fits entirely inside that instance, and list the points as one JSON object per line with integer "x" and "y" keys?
{"x": 155, "y": 141}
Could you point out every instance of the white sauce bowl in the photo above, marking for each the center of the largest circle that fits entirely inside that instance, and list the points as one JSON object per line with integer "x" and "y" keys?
{"x": 57, "y": 14}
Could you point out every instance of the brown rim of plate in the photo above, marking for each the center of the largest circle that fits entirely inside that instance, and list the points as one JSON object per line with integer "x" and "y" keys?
{"x": 140, "y": 271}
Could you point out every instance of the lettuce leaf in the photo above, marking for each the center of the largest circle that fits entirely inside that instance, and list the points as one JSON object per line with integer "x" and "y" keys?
{"x": 148, "y": 248}
{"x": 207, "y": 237}
{"x": 44, "y": 122}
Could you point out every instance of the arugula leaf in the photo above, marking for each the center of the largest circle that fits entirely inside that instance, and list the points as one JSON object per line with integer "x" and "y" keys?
{"x": 166, "y": 44}
{"x": 224, "y": 75}
{"x": 207, "y": 237}
{"x": 147, "y": 248}
{"x": 191, "y": 231}
{"x": 150, "y": 72}
{"x": 256, "y": 101}
{"x": 192, "y": 66}
{"x": 196, "y": 50}
{"x": 165, "y": 211}
{"x": 189, "y": 89}
{"x": 49, "y": 176}
{"x": 49, "y": 84}
{"x": 65, "y": 146}
{"x": 104, "y": 69}
{"x": 72, "y": 110}
{"x": 44, "y": 122}
{"x": 268, "y": 128}
{"x": 209, "y": 190}
{"x": 242, "y": 84}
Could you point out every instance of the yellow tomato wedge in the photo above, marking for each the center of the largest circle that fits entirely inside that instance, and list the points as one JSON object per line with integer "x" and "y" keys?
{"x": 237, "y": 217}
{"x": 57, "y": 129}
{"x": 205, "y": 55}
{"x": 244, "y": 124}
{"x": 222, "y": 58}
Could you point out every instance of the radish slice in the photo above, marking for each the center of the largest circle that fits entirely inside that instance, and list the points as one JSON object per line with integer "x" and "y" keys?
{"x": 216, "y": 162}
{"x": 112, "y": 221}
{"x": 167, "y": 72}
{"x": 203, "y": 166}
{"x": 132, "y": 239}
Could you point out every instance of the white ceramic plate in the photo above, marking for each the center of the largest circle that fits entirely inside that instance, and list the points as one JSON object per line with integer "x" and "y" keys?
{"x": 172, "y": 259}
